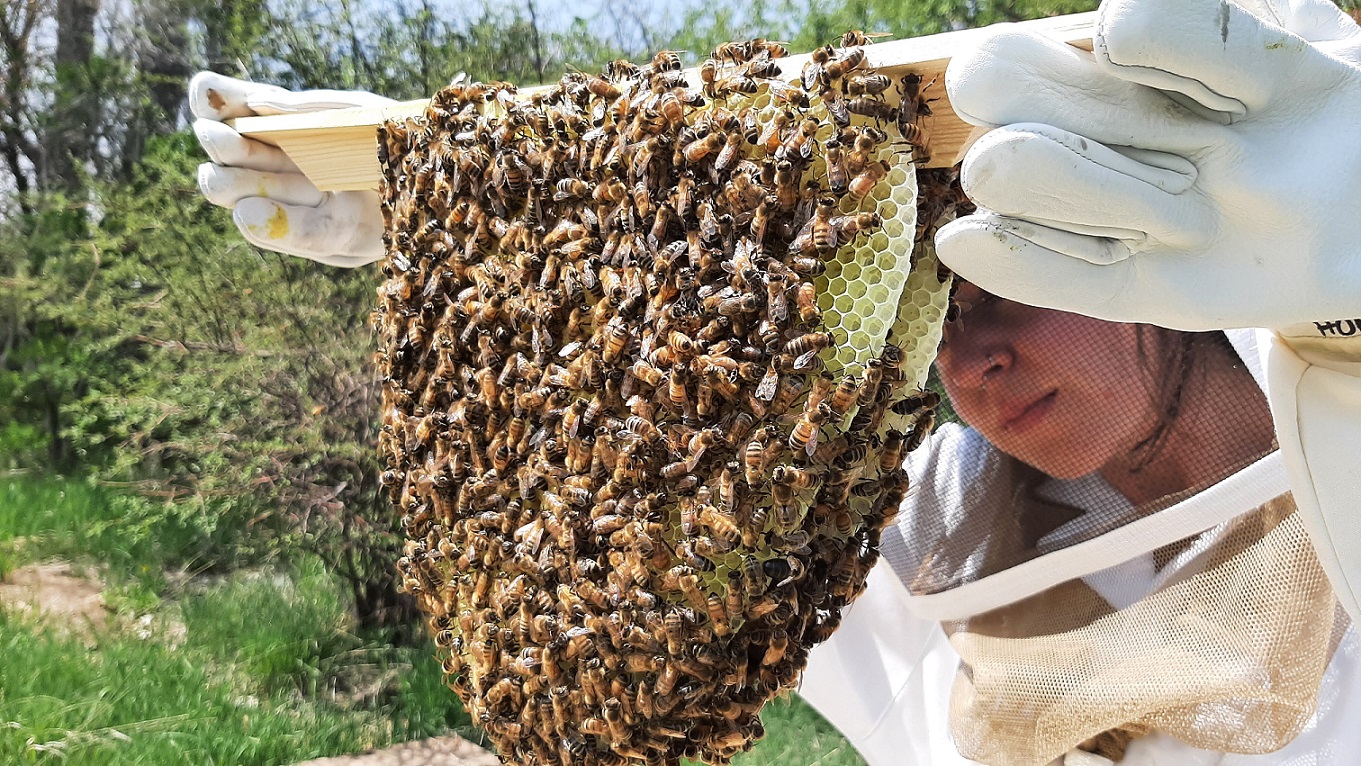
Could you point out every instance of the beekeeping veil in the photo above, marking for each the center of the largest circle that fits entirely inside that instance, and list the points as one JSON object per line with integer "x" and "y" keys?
{"x": 1083, "y": 619}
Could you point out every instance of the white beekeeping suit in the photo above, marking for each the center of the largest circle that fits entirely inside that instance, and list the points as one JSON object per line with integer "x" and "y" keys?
{"x": 1202, "y": 633}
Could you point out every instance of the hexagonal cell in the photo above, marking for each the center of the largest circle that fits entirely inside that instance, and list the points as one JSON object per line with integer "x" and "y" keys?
{"x": 879, "y": 293}
{"x": 894, "y": 228}
{"x": 879, "y": 241}
{"x": 888, "y": 209}
{"x": 850, "y": 271}
{"x": 851, "y": 322}
{"x": 825, "y": 300}
{"x": 871, "y": 274}
{"x": 857, "y": 289}
{"x": 907, "y": 310}
{"x": 897, "y": 176}
{"x": 873, "y": 326}
{"x": 836, "y": 286}
{"x": 833, "y": 269}
{"x": 843, "y": 303}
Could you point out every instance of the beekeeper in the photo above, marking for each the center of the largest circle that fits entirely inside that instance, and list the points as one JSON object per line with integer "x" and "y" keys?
{"x": 1117, "y": 571}
{"x": 1103, "y": 561}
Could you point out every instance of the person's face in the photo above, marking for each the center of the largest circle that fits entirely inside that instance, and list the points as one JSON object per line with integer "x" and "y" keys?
{"x": 1062, "y": 392}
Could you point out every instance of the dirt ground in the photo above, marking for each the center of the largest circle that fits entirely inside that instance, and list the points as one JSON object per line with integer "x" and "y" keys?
{"x": 64, "y": 595}
{"x": 440, "y": 751}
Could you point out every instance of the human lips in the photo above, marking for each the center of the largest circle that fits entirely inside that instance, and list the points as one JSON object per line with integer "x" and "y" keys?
{"x": 1025, "y": 414}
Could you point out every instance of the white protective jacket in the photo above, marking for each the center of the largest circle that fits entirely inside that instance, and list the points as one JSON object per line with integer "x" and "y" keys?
{"x": 884, "y": 679}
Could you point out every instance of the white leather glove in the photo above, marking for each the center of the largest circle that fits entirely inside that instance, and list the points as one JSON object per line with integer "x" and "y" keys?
{"x": 272, "y": 202}
{"x": 1202, "y": 170}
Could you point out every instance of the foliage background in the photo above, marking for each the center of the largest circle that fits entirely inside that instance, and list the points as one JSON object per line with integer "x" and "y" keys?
{"x": 222, "y": 390}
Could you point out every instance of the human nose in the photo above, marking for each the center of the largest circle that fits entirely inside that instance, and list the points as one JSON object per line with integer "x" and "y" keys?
{"x": 978, "y": 365}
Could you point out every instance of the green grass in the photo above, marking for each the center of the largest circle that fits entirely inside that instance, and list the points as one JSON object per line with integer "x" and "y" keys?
{"x": 133, "y": 539}
{"x": 796, "y": 735}
{"x": 267, "y": 668}
{"x": 260, "y": 676}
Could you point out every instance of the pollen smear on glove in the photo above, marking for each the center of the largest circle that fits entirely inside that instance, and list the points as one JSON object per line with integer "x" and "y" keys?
{"x": 654, "y": 349}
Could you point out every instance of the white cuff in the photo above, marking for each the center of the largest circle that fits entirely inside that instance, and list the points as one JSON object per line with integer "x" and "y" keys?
{"x": 1314, "y": 387}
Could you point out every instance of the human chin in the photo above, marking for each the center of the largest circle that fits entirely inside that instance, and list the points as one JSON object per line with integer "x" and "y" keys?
{"x": 1059, "y": 451}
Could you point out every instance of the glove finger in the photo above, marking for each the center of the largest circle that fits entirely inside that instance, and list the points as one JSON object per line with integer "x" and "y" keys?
{"x": 1018, "y": 76}
{"x": 281, "y": 101}
{"x": 225, "y": 186}
{"x": 343, "y": 261}
{"x": 1043, "y": 174}
{"x": 340, "y": 226}
{"x": 213, "y": 96}
{"x": 1315, "y": 20}
{"x": 1209, "y": 54}
{"x": 227, "y": 147}
{"x": 1056, "y": 269}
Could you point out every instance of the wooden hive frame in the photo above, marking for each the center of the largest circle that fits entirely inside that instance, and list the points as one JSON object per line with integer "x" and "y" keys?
{"x": 337, "y": 149}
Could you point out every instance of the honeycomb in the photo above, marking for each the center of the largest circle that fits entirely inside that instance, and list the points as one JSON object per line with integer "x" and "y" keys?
{"x": 653, "y": 352}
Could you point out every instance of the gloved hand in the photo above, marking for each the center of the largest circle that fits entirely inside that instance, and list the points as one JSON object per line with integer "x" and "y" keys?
{"x": 272, "y": 202}
{"x": 1201, "y": 170}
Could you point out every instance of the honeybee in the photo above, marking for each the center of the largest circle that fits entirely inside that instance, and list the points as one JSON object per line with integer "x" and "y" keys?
{"x": 737, "y": 83}
{"x": 789, "y": 96}
{"x": 775, "y": 651}
{"x": 800, "y": 143}
{"x": 666, "y": 680}
{"x": 796, "y": 478}
{"x": 806, "y": 301}
{"x": 916, "y": 404}
{"x": 512, "y": 175}
{"x": 891, "y": 454}
{"x": 837, "y": 107}
{"x": 874, "y": 108}
{"x": 731, "y": 151}
{"x": 700, "y": 148}
{"x": 910, "y": 88}
{"x": 735, "y": 53}
{"x": 867, "y": 83}
{"x": 722, "y": 525}
{"x": 753, "y": 456}
{"x": 814, "y": 76}
{"x": 617, "y": 337}
{"x": 718, "y": 615}
{"x": 666, "y": 61}
{"x": 571, "y": 188}
{"x": 786, "y": 186}
{"x": 855, "y": 37}
{"x": 769, "y": 48}
{"x": 808, "y": 342}
{"x": 689, "y": 587}
{"x": 804, "y": 435}
{"x": 824, "y": 233}
{"x": 864, "y": 183}
{"x": 770, "y": 135}
{"x": 847, "y": 62}
{"x": 851, "y": 226}
{"x": 920, "y": 430}
{"x": 869, "y": 385}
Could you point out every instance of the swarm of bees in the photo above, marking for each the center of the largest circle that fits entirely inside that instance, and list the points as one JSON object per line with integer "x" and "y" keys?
{"x": 643, "y": 444}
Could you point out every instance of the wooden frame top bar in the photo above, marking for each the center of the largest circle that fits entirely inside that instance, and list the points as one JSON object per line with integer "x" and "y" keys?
{"x": 338, "y": 150}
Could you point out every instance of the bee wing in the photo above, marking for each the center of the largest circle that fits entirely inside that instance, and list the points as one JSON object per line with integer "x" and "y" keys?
{"x": 770, "y": 383}
{"x": 805, "y": 362}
